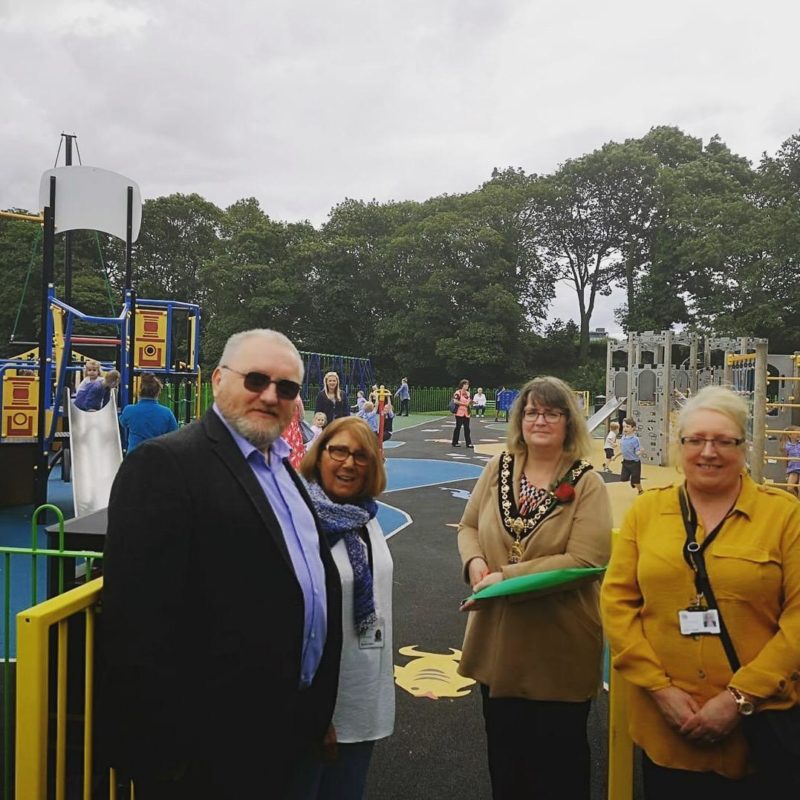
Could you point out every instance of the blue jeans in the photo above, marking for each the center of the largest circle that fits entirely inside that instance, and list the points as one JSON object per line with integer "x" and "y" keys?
{"x": 344, "y": 779}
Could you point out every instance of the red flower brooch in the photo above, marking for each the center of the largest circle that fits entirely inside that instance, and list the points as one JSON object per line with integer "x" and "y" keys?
{"x": 564, "y": 492}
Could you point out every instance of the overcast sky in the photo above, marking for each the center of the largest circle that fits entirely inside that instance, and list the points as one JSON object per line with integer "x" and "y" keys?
{"x": 304, "y": 103}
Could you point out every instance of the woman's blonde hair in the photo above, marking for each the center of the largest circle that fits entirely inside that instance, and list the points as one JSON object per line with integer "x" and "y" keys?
{"x": 338, "y": 384}
{"x": 553, "y": 393}
{"x": 721, "y": 399}
{"x": 375, "y": 481}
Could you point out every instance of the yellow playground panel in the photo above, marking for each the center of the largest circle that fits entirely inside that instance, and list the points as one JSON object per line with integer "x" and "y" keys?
{"x": 151, "y": 339}
{"x": 20, "y": 406}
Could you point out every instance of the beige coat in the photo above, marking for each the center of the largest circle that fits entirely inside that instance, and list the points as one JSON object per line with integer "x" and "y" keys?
{"x": 537, "y": 646}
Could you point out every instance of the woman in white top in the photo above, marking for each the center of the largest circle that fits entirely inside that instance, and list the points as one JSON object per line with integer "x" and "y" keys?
{"x": 345, "y": 473}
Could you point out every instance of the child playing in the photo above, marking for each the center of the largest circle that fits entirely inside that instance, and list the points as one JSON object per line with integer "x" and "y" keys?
{"x": 360, "y": 400}
{"x": 388, "y": 418}
{"x": 94, "y": 395}
{"x": 369, "y": 413}
{"x": 631, "y": 449}
{"x": 610, "y": 444}
{"x": 320, "y": 420}
{"x": 91, "y": 372}
{"x": 791, "y": 445}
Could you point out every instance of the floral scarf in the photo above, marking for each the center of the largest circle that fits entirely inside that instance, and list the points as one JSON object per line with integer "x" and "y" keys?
{"x": 344, "y": 521}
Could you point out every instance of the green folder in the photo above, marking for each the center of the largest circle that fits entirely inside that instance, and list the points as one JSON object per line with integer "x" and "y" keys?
{"x": 537, "y": 582}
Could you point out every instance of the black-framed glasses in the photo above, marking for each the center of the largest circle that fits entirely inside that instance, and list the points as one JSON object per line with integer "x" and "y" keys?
{"x": 338, "y": 452}
{"x": 257, "y": 382}
{"x": 549, "y": 416}
{"x": 698, "y": 442}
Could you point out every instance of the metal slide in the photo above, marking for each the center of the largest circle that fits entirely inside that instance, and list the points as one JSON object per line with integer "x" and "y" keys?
{"x": 604, "y": 413}
{"x": 96, "y": 451}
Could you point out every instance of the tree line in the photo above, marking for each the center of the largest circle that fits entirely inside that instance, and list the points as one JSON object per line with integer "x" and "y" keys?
{"x": 460, "y": 285}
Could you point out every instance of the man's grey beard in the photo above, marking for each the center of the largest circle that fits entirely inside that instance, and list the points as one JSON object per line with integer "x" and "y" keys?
{"x": 256, "y": 436}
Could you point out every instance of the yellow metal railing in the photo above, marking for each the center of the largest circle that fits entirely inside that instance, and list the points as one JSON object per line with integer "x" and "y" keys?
{"x": 33, "y": 671}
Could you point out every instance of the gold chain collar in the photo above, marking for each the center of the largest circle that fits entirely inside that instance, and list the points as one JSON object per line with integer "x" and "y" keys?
{"x": 518, "y": 526}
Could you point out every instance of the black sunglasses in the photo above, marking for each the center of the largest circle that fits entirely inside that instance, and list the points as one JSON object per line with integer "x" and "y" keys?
{"x": 257, "y": 382}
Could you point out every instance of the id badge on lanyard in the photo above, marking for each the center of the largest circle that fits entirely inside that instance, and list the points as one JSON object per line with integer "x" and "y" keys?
{"x": 697, "y": 619}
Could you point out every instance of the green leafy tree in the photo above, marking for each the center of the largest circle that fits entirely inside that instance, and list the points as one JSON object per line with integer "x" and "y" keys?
{"x": 579, "y": 229}
{"x": 258, "y": 277}
{"x": 178, "y": 234}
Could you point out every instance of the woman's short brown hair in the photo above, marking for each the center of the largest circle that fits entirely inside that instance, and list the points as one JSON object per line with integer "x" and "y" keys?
{"x": 550, "y": 392}
{"x": 367, "y": 440}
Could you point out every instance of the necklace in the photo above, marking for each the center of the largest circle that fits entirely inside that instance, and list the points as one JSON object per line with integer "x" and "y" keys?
{"x": 518, "y": 526}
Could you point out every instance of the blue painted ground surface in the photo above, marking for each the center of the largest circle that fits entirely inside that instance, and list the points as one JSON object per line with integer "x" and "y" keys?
{"x": 413, "y": 473}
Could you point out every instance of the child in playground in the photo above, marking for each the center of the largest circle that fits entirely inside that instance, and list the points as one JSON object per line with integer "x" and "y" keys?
{"x": 610, "y": 444}
{"x": 369, "y": 414}
{"x": 94, "y": 395}
{"x": 631, "y": 449}
{"x": 388, "y": 418}
{"x": 319, "y": 421}
{"x": 360, "y": 400}
{"x": 91, "y": 372}
{"x": 790, "y": 443}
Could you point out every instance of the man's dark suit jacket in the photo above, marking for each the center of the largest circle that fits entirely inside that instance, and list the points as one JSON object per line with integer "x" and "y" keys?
{"x": 200, "y": 633}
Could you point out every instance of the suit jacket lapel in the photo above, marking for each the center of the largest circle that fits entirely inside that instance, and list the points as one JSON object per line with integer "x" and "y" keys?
{"x": 224, "y": 446}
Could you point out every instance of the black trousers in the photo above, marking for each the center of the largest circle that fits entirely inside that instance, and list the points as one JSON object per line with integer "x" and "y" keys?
{"x": 537, "y": 748}
{"x": 404, "y": 407}
{"x": 462, "y": 422}
{"x": 663, "y": 783}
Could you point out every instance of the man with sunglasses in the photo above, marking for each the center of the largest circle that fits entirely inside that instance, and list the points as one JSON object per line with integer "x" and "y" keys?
{"x": 221, "y": 629}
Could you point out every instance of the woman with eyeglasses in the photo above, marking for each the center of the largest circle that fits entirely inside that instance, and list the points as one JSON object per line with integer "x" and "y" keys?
{"x": 344, "y": 473}
{"x": 703, "y": 570}
{"x": 331, "y": 400}
{"x": 537, "y": 507}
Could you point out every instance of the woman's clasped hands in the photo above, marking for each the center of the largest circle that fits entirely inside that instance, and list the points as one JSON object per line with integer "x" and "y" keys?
{"x": 707, "y": 724}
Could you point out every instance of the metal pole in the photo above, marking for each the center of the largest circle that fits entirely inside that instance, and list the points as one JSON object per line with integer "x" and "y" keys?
{"x": 126, "y": 389}
{"x": 665, "y": 401}
{"x": 759, "y": 414}
{"x": 48, "y": 256}
{"x": 68, "y": 235}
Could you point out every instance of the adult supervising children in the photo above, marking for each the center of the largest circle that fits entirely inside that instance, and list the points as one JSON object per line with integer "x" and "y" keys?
{"x": 147, "y": 418}
{"x": 463, "y": 403}
{"x": 403, "y": 394}
{"x": 332, "y": 400}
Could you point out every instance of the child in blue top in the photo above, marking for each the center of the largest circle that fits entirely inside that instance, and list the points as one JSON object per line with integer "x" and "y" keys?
{"x": 369, "y": 413}
{"x": 631, "y": 451}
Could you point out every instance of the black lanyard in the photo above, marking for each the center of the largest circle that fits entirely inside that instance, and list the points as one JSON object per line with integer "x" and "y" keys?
{"x": 692, "y": 551}
{"x": 693, "y": 554}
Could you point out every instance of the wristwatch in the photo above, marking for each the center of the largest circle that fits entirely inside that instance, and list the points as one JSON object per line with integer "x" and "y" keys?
{"x": 744, "y": 705}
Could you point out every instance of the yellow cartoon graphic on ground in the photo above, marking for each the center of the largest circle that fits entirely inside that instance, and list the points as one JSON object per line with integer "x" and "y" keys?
{"x": 432, "y": 675}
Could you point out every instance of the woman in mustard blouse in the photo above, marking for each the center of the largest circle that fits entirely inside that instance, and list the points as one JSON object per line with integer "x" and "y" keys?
{"x": 686, "y": 703}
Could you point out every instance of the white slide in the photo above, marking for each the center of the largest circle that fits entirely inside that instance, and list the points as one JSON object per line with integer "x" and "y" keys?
{"x": 96, "y": 451}
{"x": 604, "y": 413}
